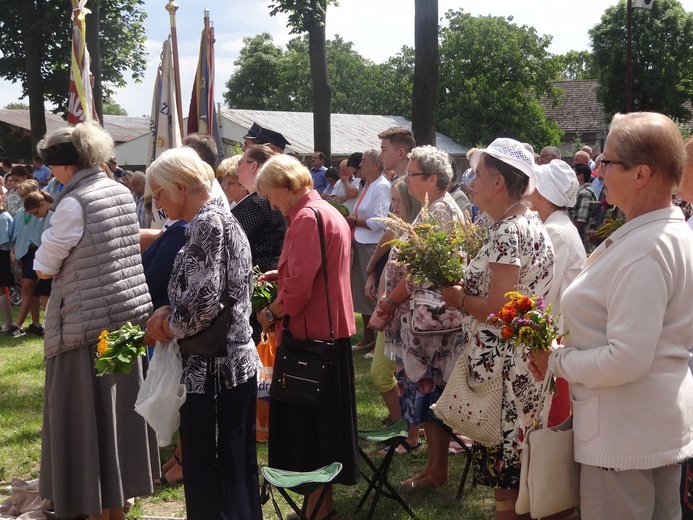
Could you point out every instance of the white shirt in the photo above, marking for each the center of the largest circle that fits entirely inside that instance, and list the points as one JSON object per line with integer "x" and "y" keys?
{"x": 67, "y": 228}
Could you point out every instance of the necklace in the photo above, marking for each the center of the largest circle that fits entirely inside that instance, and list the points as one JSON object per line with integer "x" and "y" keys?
{"x": 508, "y": 209}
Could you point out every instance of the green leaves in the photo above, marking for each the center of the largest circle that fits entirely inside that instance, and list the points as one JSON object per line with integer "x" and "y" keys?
{"x": 118, "y": 351}
{"x": 264, "y": 292}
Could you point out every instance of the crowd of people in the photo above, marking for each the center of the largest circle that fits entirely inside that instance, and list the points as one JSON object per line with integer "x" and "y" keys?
{"x": 77, "y": 227}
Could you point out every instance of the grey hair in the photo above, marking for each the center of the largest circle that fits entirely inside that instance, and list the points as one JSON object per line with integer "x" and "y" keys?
{"x": 552, "y": 150}
{"x": 93, "y": 144}
{"x": 374, "y": 155}
{"x": 433, "y": 162}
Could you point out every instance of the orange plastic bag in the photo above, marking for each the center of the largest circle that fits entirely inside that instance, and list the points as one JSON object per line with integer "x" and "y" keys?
{"x": 267, "y": 351}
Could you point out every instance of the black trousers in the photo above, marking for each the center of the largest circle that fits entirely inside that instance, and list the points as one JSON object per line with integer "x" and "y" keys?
{"x": 219, "y": 453}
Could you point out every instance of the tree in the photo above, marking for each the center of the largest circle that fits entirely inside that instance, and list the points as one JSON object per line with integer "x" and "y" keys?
{"x": 16, "y": 106}
{"x": 493, "y": 75}
{"x": 111, "y": 108}
{"x": 255, "y": 82}
{"x": 425, "y": 91}
{"x": 575, "y": 65}
{"x": 36, "y": 43}
{"x": 309, "y": 16}
{"x": 661, "y": 59}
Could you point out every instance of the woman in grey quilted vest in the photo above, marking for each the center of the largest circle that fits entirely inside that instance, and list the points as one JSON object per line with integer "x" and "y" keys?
{"x": 95, "y": 452}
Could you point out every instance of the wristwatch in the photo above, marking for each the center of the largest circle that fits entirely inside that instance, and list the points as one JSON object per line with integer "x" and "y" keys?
{"x": 269, "y": 314}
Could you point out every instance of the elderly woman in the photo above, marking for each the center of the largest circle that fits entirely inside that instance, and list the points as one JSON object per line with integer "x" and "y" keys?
{"x": 631, "y": 389}
{"x": 264, "y": 227}
{"x": 218, "y": 418}
{"x": 94, "y": 453}
{"x": 423, "y": 362}
{"x": 303, "y": 438}
{"x": 227, "y": 172}
{"x": 373, "y": 202}
{"x": 516, "y": 252}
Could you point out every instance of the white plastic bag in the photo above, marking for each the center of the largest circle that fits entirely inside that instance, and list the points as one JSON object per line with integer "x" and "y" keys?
{"x": 162, "y": 393}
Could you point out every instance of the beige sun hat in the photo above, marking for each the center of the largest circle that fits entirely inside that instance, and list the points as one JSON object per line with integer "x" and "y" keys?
{"x": 510, "y": 152}
{"x": 557, "y": 183}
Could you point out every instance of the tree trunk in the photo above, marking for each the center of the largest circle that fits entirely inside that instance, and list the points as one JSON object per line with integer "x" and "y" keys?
{"x": 322, "y": 91}
{"x": 31, "y": 37}
{"x": 425, "y": 90}
{"x": 94, "y": 47}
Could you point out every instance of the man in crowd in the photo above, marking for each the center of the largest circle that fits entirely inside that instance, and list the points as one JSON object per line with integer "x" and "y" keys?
{"x": 42, "y": 173}
{"x": 582, "y": 214}
{"x": 139, "y": 181}
{"x": 582, "y": 157}
{"x": 395, "y": 143}
{"x": 548, "y": 154}
{"x": 317, "y": 171}
{"x": 117, "y": 170}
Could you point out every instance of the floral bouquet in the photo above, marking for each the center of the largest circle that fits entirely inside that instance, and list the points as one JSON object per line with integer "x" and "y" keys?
{"x": 435, "y": 254}
{"x": 527, "y": 322}
{"x": 264, "y": 292}
{"x": 118, "y": 351}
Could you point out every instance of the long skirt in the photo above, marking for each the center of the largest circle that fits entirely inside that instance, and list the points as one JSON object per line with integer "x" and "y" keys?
{"x": 362, "y": 255}
{"x": 95, "y": 451}
{"x": 305, "y": 439}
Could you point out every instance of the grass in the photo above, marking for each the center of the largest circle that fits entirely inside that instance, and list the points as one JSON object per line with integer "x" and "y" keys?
{"x": 21, "y": 406}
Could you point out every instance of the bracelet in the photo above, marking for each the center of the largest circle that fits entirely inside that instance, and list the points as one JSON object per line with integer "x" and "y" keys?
{"x": 462, "y": 308}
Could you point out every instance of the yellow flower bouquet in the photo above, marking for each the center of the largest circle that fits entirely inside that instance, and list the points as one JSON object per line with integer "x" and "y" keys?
{"x": 118, "y": 351}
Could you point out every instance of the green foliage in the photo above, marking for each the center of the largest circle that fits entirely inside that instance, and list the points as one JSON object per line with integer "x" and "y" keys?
{"x": 661, "y": 59}
{"x": 358, "y": 85}
{"x": 575, "y": 65}
{"x": 264, "y": 292}
{"x": 17, "y": 106}
{"x": 492, "y": 75}
{"x": 302, "y": 13}
{"x": 339, "y": 207}
{"x": 122, "y": 38}
{"x": 112, "y": 108}
{"x": 118, "y": 351}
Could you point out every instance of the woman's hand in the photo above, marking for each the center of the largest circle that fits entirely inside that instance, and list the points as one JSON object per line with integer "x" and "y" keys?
{"x": 266, "y": 324}
{"x": 269, "y": 276}
{"x": 453, "y": 296}
{"x": 379, "y": 320}
{"x": 351, "y": 220}
{"x": 157, "y": 326}
{"x": 539, "y": 364}
{"x": 370, "y": 289}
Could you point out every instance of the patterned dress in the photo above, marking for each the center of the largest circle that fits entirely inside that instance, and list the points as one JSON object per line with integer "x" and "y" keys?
{"x": 424, "y": 362}
{"x": 519, "y": 240}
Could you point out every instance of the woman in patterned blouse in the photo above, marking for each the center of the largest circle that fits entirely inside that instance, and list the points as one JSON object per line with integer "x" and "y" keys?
{"x": 218, "y": 418}
{"x": 517, "y": 251}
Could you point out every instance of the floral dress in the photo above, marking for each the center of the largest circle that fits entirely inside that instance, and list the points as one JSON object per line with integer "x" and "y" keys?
{"x": 424, "y": 362}
{"x": 518, "y": 240}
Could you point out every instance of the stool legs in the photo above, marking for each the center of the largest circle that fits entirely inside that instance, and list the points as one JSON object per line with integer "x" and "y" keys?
{"x": 378, "y": 480}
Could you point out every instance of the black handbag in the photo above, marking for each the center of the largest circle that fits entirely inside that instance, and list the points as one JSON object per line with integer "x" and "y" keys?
{"x": 303, "y": 368}
{"x": 211, "y": 342}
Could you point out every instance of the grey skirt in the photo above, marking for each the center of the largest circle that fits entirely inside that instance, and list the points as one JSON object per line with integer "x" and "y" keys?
{"x": 362, "y": 255}
{"x": 95, "y": 450}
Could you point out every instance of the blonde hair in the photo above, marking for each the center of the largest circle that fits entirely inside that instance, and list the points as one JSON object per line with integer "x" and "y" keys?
{"x": 93, "y": 144}
{"x": 284, "y": 171}
{"x": 229, "y": 166}
{"x": 28, "y": 186}
{"x": 689, "y": 151}
{"x": 180, "y": 167}
{"x": 649, "y": 138}
{"x": 410, "y": 206}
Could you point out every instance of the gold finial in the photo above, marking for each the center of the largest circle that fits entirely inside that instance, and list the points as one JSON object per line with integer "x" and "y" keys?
{"x": 172, "y": 7}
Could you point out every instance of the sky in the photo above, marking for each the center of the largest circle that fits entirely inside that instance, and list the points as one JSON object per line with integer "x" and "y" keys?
{"x": 377, "y": 28}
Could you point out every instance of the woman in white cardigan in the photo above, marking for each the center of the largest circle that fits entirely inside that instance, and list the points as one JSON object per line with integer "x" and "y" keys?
{"x": 629, "y": 322}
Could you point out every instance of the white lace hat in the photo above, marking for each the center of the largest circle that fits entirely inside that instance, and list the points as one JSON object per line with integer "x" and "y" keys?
{"x": 557, "y": 183}
{"x": 510, "y": 152}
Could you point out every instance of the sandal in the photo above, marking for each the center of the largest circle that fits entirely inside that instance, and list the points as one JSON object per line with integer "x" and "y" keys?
{"x": 175, "y": 475}
{"x": 423, "y": 481}
{"x": 404, "y": 444}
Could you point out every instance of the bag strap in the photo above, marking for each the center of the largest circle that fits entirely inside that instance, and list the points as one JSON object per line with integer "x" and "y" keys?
{"x": 324, "y": 267}
{"x": 544, "y": 409}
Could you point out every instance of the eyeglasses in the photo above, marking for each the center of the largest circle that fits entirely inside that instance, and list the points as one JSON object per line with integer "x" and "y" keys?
{"x": 414, "y": 174}
{"x": 154, "y": 196}
{"x": 606, "y": 162}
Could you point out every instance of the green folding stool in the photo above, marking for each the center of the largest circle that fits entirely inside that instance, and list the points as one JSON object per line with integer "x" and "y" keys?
{"x": 303, "y": 483}
{"x": 391, "y": 436}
